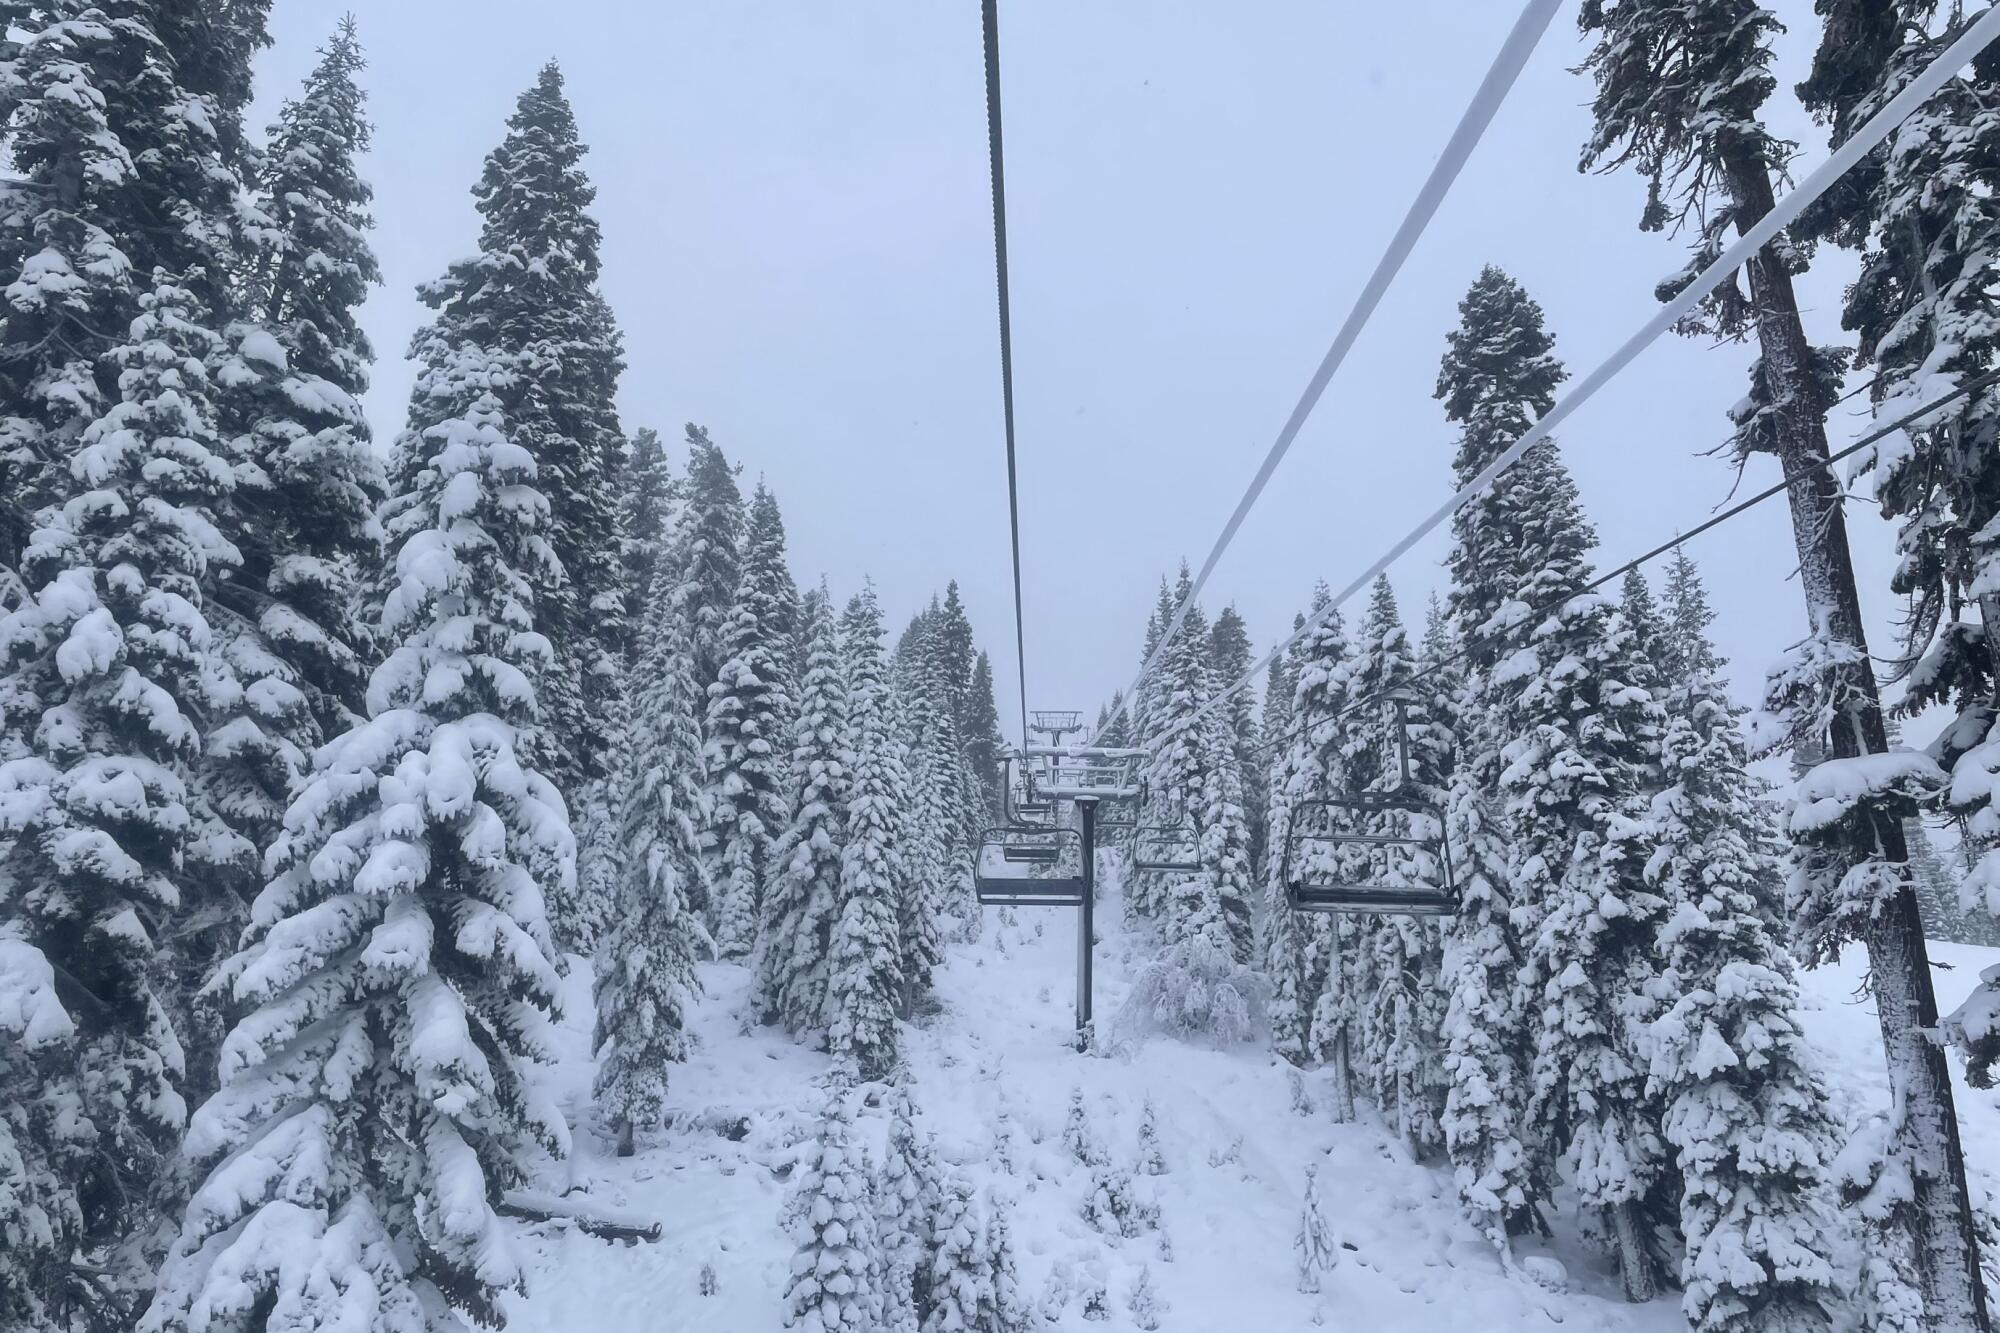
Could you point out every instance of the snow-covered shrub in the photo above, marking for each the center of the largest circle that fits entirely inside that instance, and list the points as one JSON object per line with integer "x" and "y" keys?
{"x": 1194, "y": 992}
{"x": 1115, "y": 1205}
{"x": 1144, "y": 1301}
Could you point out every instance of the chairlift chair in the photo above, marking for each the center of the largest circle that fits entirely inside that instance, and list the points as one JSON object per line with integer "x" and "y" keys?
{"x": 1166, "y": 848}
{"x": 1320, "y": 883}
{"x": 1019, "y": 866}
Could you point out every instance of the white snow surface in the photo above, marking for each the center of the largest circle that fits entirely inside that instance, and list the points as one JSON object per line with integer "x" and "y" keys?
{"x": 998, "y": 1058}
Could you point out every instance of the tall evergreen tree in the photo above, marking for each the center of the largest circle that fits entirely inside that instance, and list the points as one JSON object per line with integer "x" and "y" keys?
{"x": 1577, "y": 734}
{"x": 396, "y": 978}
{"x": 1402, "y": 1028}
{"x": 866, "y": 985}
{"x": 529, "y": 299}
{"x": 101, "y": 701}
{"x": 286, "y": 617}
{"x": 765, "y": 569}
{"x": 984, "y": 743}
{"x": 749, "y": 713}
{"x": 1229, "y": 657}
{"x": 1316, "y": 667}
{"x": 1680, "y": 95}
{"x": 122, "y": 232}
{"x": 1284, "y": 937}
{"x": 956, "y": 655}
{"x": 710, "y": 550}
{"x": 943, "y": 801}
{"x": 1199, "y": 983}
{"x": 647, "y": 494}
{"x": 645, "y": 977}
{"x": 803, "y": 902}
{"x": 1923, "y": 217}
{"x": 1744, "y": 1110}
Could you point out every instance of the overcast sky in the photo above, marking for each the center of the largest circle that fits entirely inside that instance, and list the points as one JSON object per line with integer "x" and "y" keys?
{"x": 798, "y": 246}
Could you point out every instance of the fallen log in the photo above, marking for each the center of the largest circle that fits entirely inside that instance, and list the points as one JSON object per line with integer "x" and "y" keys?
{"x": 587, "y": 1215}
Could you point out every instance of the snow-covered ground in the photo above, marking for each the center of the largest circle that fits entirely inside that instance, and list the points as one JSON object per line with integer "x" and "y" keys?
{"x": 996, "y": 1064}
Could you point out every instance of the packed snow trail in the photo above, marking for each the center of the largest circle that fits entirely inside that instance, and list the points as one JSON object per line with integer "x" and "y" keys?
{"x": 998, "y": 1056}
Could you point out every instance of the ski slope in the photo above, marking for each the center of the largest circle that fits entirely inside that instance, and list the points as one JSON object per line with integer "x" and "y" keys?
{"x": 997, "y": 1058}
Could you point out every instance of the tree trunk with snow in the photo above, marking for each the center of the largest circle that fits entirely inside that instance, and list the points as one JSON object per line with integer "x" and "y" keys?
{"x": 1898, "y": 965}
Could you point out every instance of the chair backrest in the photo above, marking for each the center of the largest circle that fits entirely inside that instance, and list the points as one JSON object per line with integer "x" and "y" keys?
{"x": 1029, "y": 865}
{"x": 1166, "y": 848}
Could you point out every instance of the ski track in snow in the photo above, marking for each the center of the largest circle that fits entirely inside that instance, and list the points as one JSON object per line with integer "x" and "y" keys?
{"x": 717, "y": 1180}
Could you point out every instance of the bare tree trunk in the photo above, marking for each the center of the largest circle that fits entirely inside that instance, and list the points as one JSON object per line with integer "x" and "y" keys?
{"x": 1898, "y": 967}
{"x": 1635, "y": 1258}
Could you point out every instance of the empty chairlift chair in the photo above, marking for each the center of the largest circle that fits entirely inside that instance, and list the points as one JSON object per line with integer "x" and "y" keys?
{"x": 1021, "y": 866}
{"x": 1402, "y": 873}
{"x": 1166, "y": 848}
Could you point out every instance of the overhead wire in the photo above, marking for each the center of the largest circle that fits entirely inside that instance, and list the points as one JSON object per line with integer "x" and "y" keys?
{"x": 1877, "y": 128}
{"x": 1513, "y": 55}
{"x": 990, "y": 35}
{"x": 1270, "y": 744}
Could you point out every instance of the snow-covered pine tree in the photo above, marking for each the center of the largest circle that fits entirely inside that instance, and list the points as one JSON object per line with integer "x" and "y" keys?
{"x": 1576, "y": 734}
{"x": 645, "y": 974}
{"x": 838, "y": 1262}
{"x": 1334, "y": 965}
{"x": 1228, "y": 658}
{"x": 1283, "y": 934}
{"x": 1680, "y": 95}
{"x": 709, "y": 550}
{"x": 1927, "y": 227}
{"x": 865, "y": 983}
{"x": 1744, "y": 1110}
{"x": 984, "y": 745}
{"x": 1497, "y": 1160}
{"x": 287, "y": 618}
{"x": 397, "y": 975}
{"x": 101, "y": 701}
{"x": 955, "y": 653}
{"x": 530, "y": 296}
{"x": 766, "y": 569}
{"x": 962, "y": 1293}
{"x": 115, "y": 485}
{"x": 647, "y": 494}
{"x": 1400, "y": 1033}
{"x": 750, "y": 712}
{"x": 906, "y": 1205}
{"x": 1199, "y": 984}
{"x": 944, "y": 800}
{"x": 1008, "y": 1312}
{"x": 1076, "y": 1136}
{"x": 1299, "y": 949}
{"x": 802, "y": 903}
{"x": 1144, "y": 1302}
{"x": 103, "y": 147}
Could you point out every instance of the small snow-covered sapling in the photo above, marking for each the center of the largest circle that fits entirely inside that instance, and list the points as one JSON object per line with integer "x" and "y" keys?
{"x": 1151, "y": 1163}
{"x": 706, "y": 1283}
{"x": 1076, "y": 1131}
{"x": 1090, "y": 1285}
{"x": 1317, "y": 1251}
{"x": 1145, "y": 1302}
{"x": 1301, "y": 1100}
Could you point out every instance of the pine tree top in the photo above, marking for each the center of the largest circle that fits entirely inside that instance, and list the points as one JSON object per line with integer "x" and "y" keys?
{"x": 1679, "y": 83}
{"x": 534, "y": 195}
